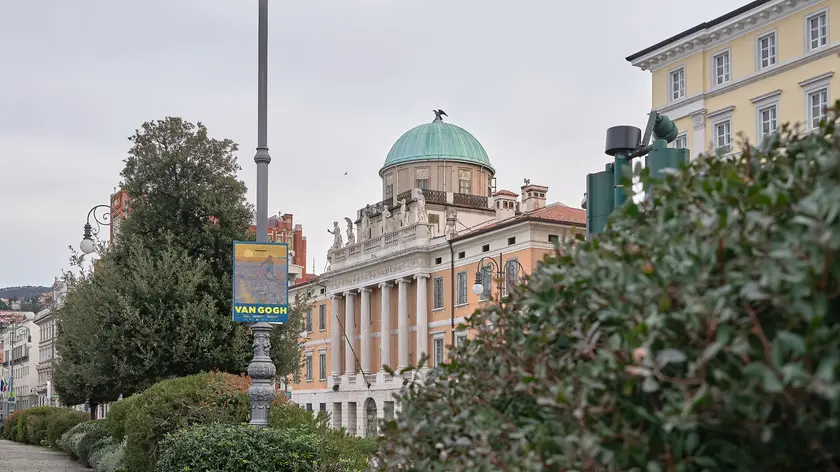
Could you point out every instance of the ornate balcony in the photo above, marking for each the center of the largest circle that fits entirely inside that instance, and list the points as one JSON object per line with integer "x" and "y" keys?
{"x": 378, "y": 247}
{"x": 432, "y": 196}
{"x": 475, "y": 201}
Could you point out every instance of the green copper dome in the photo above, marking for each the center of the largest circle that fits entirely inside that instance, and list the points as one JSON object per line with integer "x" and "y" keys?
{"x": 437, "y": 141}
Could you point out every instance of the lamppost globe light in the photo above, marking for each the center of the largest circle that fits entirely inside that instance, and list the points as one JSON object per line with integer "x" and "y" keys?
{"x": 87, "y": 245}
{"x": 478, "y": 288}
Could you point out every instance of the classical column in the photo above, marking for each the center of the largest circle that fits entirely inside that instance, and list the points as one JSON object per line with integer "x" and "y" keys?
{"x": 402, "y": 324}
{"x": 385, "y": 325}
{"x": 349, "y": 332}
{"x": 364, "y": 331}
{"x": 335, "y": 335}
{"x": 422, "y": 315}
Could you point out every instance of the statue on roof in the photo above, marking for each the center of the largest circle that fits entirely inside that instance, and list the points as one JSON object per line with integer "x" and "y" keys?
{"x": 422, "y": 216}
{"x": 336, "y": 232}
{"x": 438, "y": 114}
{"x": 386, "y": 220}
{"x": 351, "y": 238}
{"x": 402, "y": 215}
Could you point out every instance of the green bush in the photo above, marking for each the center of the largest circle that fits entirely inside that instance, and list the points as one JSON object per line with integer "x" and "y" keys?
{"x": 41, "y": 426}
{"x": 175, "y": 404}
{"x": 240, "y": 448}
{"x": 699, "y": 332}
{"x": 77, "y": 442}
{"x": 108, "y": 455}
{"x": 116, "y": 419}
{"x": 339, "y": 449}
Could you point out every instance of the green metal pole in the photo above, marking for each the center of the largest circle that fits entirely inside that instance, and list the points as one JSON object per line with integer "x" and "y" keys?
{"x": 621, "y": 163}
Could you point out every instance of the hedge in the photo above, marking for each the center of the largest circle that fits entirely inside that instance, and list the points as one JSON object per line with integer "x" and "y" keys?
{"x": 172, "y": 405}
{"x": 240, "y": 448}
{"x": 40, "y": 426}
{"x": 700, "y": 332}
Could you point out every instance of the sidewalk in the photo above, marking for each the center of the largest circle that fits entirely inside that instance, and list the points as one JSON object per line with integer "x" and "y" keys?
{"x": 16, "y": 457}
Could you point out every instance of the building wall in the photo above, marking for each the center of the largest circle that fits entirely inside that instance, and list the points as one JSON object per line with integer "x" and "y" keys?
{"x": 526, "y": 242}
{"x": 750, "y": 87}
{"x": 443, "y": 176}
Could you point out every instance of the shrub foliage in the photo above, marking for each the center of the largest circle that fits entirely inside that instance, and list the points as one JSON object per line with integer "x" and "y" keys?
{"x": 700, "y": 332}
{"x": 40, "y": 426}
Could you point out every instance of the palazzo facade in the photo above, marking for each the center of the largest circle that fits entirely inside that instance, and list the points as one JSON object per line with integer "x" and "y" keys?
{"x": 404, "y": 272}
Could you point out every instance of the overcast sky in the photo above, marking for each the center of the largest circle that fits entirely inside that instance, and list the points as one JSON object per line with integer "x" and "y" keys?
{"x": 537, "y": 82}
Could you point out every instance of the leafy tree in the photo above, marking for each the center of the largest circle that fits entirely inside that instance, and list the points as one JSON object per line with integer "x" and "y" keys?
{"x": 286, "y": 343}
{"x": 4, "y": 306}
{"x": 701, "y": 332}
{"x": 160, "y": 297}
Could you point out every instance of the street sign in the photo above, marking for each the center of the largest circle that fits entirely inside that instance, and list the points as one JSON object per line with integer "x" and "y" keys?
{"x": 260, "y": 282}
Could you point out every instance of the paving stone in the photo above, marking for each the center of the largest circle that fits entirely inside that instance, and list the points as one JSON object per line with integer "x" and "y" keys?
{"x": 16, "y": 457}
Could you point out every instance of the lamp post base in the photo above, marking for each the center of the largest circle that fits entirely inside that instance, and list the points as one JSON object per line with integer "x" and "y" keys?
{"x": 262, "y": 390}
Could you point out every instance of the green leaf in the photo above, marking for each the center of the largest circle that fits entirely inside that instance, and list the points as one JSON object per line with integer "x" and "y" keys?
{"x": 792, "y": 341}
{"x": 668, "y": 356}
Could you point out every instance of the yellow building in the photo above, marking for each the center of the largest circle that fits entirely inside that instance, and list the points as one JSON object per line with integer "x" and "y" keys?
{"x": 414, "y": 257}
{"x": 751, "y": 70}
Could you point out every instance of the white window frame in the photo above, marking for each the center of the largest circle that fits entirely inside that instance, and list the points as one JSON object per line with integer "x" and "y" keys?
{"x": 459, "y": 289}
{"x": 460, "y": 337}
{"x": 760, "y": 117}
{"x": 719, "y": 117}
{"x": 715, "y": 135}
{"x": 683, "y": 135}
{"x": 308, "y": 321}
{"x": 723, "y": 52}
{"x": 308, "y": 367}
{"x": 809, "y": 114}
{"x": 773, "y": 60}
{"x": 763, "y": 103}
{"x": 435, "y": 294}
{"x": 807, "y": 29}
{"x": 438, "y": 343}
{"x": 486, "y": 282}
{"x": 680, "y": 69}
{"x": 322, "y": 317}
{"x": 322, "y": 366}
{"x": 811, "y": 86}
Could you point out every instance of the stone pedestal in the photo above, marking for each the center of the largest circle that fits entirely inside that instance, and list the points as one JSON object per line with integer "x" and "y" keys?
{"x": 261, "y": 392}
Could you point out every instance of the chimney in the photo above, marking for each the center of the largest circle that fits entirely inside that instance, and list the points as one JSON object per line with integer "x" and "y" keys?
{"x": 533, "y": 197}
{"x": 506, "y": 204}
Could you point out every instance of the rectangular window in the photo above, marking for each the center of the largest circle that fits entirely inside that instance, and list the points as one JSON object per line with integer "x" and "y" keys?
{"x": 389, "y": 191}
{"x": 322, "y": 407}
{"x": 438, "y": 350}
{"x": 322, "y": 365}
{"x": 722, "y": 68}
{"x": 817, "y": 107}
{"x": 511, "y": 241}
{"x": 460, "y": 339}
{"x": 308, "y": 407}
{"x": 461, "y": 288}
{"x": 309, "y": 320}
{"x": 438, "y": 293}
{"x": 487, "y": 282}
{"x": 422, "y": 184}
{"x": 462, "y": 255}
{"x": 308, "y": 366}
{"x": 767, "y": 120}
{"x": 464, "y": 186}
{"x": 322, "y": 317}
{"x": 485, "y": 248}
{"x": 677, "y": 84}
{"x": 817, "y": 31}
{"x": 681, "y": 142}
{"x": 723, "y": 137}
{"x": 513, "y": 274}
{"x": 554, "y": 239}
{"x": 767, "y": 50}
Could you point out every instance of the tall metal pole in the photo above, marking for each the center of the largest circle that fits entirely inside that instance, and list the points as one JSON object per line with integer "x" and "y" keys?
{"x": 261, "y": 369}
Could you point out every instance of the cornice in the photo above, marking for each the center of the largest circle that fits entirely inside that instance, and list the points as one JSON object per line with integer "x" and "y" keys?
{"x": 726, "y": 31}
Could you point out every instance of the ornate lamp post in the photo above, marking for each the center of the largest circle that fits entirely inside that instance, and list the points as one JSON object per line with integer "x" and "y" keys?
{"x": 88, "y": 245}
{"x": 261, "y": 369}
{"x": 509, "y": 267}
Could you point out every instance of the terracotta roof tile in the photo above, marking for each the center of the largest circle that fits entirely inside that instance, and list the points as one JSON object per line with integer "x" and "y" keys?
{"x": 506, "y": 193}
{"x": 559, "y": 212}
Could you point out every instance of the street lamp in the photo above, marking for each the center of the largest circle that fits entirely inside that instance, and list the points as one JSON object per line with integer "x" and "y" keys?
{"x": 88, "y": 245}
{"x": 509, "y": 267}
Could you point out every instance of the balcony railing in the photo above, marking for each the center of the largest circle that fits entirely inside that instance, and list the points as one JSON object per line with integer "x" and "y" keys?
{"x": 434, "y": 196}
{"x": 466, "y": 199}
{"x": 408, "y": 196}
{"x": 404, "y": 238}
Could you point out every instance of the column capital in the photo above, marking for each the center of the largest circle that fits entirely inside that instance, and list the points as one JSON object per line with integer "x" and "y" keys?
{"x": 421, "y": 276}
{"x": 334, "y": 296}
{"x": 385, "y": 285}
{"x": 402, "y": 280}
{"x": 364, "y": 289}
{"x": 349, "y": 293}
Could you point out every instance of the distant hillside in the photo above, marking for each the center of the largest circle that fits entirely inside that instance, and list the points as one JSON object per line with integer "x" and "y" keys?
{"x": 23, "y": 292}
